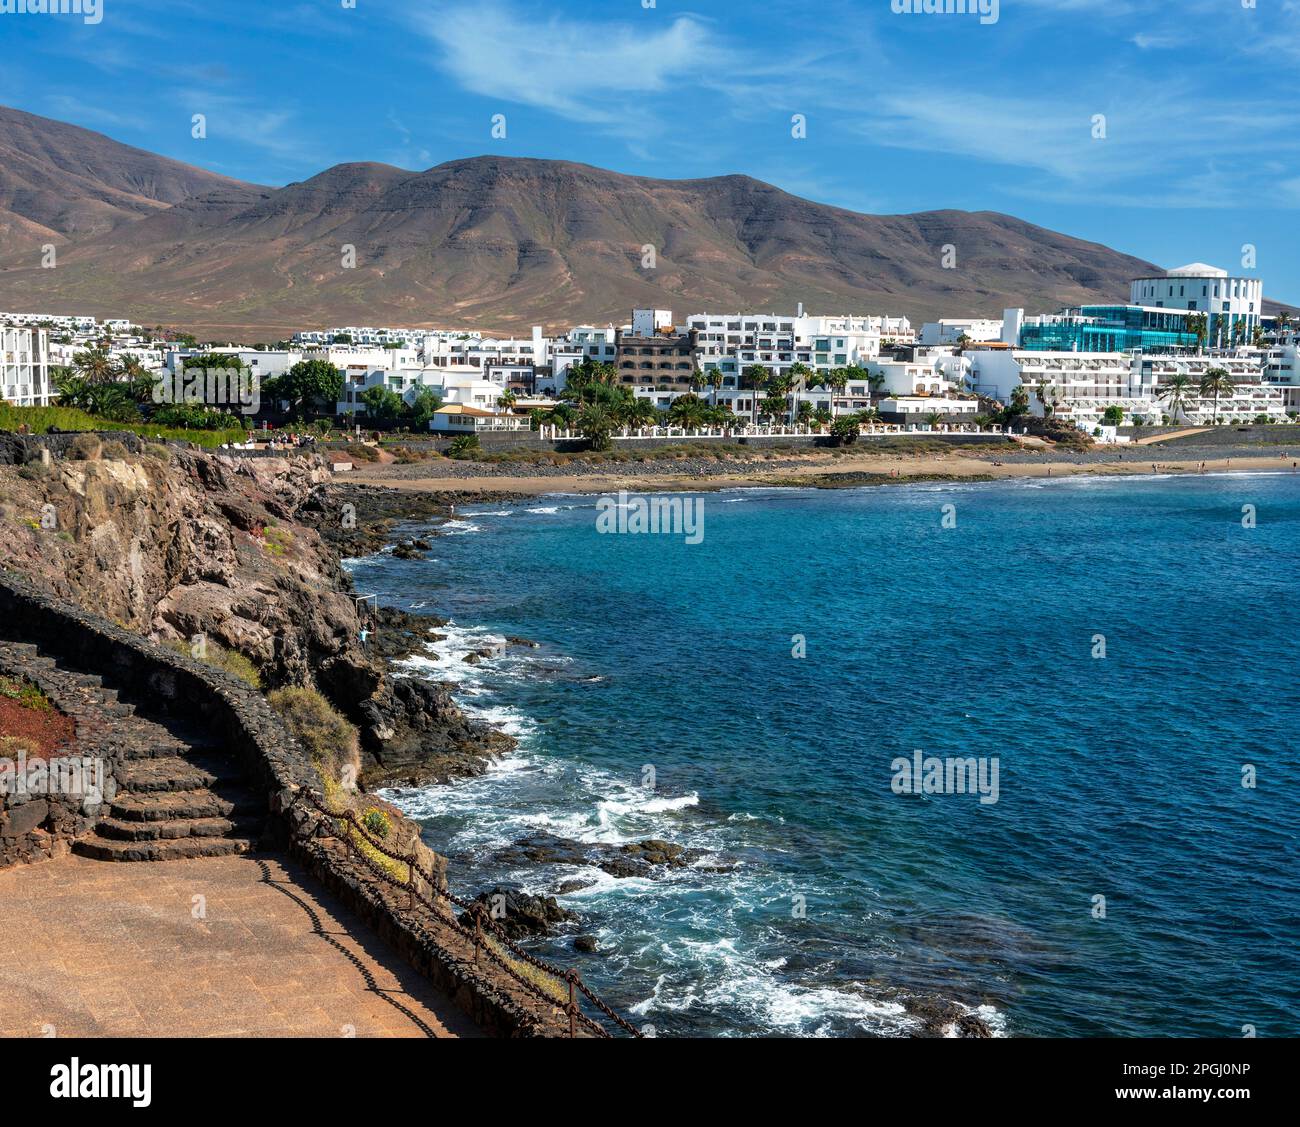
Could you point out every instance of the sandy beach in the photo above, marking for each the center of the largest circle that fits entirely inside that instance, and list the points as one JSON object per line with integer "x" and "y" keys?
{"x": 822, "y": 469}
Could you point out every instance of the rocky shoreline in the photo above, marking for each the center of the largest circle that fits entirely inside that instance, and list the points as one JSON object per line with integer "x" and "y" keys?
{"x": 540, "y": 916}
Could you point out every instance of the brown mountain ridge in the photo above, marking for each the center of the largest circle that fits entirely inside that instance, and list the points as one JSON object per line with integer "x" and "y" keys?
{"x": 490, "y": 242}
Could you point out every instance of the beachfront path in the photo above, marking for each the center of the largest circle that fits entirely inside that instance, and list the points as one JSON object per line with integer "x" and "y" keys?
{"x": 95, "y": 949}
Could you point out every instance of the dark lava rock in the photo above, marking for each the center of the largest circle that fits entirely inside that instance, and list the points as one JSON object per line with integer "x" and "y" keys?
{"x": 407, "y": 551}
{"x": 586, "y": 944}
{"x": 636, "y": 859}
{"x": 518, "y": 914}
{"x": 413, "y": 734}
{"x": 512, "y": 640}
{"x": 938, "y": 1016}
{"x": 544, "y": 849}
{"x": 472, "y": 658}
{"x": 655, "y": 852}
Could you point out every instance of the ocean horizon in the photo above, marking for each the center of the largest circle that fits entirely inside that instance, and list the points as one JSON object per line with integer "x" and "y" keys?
{"x": 1112, "y": 652}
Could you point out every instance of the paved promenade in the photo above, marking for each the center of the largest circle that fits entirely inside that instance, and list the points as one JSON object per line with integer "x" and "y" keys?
{"x": 231, "y": 946}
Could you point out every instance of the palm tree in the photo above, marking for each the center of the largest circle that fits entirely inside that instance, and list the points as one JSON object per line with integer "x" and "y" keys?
{"x": 641, "y": 413}
{"x": 1175, "y": 394}
{"x": 753, "y": 377}
{"x": 837, "y": 379}
{"x": 798, "y": 375}
{"x": 1216, "y": 382}
{"x": 1198, "y": 323}
{"x": 596, "y": 425}
{"x": 715, "y": 382}
{"x": 933, "y": 419}
{"x": 687, "y": 411}
{"x": 95, "y": 366}
{"x": 507, "y": 399}
{"x": 1046, "y": 396}
{"x": 780, "y": 386}
{"x": 773, "y": 406}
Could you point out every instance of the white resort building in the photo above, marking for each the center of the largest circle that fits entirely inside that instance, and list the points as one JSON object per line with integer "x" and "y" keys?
{"x": 25, "y": 368}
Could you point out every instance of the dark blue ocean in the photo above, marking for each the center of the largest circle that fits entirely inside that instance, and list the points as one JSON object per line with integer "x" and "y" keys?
{"x": 823, "y": 902}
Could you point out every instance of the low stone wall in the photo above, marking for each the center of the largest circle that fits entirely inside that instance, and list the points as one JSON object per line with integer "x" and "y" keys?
{"x": 19, "y": 449}
{"x": 1226, "y": 434}
{"x": 278, "y": 766}
{"x": 237, "y": 713}
{"x": 482, "y": 991}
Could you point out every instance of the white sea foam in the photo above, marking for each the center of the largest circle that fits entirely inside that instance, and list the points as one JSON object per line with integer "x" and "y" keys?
{"x": 458, "y": 528}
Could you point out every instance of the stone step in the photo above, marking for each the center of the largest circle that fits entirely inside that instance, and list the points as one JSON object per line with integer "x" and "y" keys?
{"x": 156, "y": 742}
{"x": 161, "y": 806}
{"x": 182, "y": 849}
{"x": 166, "y": 773}
{"x": 177, "y": 828}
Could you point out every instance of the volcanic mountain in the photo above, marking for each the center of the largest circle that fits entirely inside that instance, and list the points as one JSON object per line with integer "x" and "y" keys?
{"x": 490, "y": 242}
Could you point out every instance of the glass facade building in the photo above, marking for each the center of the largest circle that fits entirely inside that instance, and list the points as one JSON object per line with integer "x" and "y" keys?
{"x": 1110, "y": 328}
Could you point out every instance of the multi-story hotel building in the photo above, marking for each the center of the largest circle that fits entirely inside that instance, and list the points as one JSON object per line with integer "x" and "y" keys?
{"x": 1079, "y": 387}
{"x": 1205, "y": 289}
{"x": 731, "y": 342}
{"x": 25, "y": 368}
{"x": 654, "y": 356}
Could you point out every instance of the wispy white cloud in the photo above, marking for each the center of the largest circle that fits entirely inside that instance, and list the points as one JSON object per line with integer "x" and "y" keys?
{"x": 592, "y": 72}
{"x": 232, "y": 117}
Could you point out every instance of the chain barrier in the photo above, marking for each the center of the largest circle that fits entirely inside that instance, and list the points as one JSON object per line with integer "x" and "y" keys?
{"x": 482, "y": 921}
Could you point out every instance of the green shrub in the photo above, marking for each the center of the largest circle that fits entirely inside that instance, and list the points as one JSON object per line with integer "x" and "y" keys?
{"x": 376, "y": 823}
{"x": 232, "y": 661}
{"x": 329, "y": 739}
{"x": 25, "y": 693}
{"x": 193, "y": 416}
{"x": 40, "y": 420}
{"x": 362, "y": 453}
{"x": 464, "y": 446}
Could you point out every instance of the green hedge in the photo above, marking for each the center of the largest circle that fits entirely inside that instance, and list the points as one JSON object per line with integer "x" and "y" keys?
{"x": 40, "y": 419}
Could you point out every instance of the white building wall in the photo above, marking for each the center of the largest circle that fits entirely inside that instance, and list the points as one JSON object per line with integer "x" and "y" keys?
{"x": 25, "y": 368}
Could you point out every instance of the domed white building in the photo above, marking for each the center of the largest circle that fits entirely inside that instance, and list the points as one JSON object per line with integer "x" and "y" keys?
{"x": 1230, "y": 304}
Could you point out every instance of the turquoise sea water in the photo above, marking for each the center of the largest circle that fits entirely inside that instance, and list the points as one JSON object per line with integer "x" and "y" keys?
{"x": 1119, "y": 776}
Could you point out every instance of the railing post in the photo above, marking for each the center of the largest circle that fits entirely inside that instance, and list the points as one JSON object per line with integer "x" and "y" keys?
{"x": 573, "y": 1002}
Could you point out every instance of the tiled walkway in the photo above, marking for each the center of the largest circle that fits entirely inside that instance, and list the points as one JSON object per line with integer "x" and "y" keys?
{"x": 232, "y": 946}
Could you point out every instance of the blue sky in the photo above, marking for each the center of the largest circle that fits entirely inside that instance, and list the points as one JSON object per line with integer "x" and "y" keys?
{"x": 905, "y": 112}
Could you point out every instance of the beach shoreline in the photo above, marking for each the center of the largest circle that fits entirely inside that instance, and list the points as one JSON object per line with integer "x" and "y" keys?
{"x": 824, "y": 471}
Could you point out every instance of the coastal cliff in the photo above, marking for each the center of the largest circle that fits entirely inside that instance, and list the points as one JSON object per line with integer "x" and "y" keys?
{"x": 219, "y": 552}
